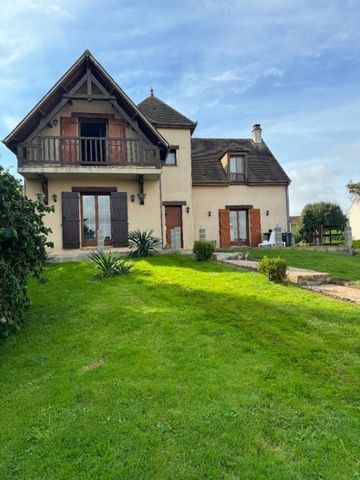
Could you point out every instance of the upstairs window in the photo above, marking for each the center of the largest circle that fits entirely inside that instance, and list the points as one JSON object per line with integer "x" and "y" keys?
{"x": 171, "y": 158}
{"x": 237, "y": 168}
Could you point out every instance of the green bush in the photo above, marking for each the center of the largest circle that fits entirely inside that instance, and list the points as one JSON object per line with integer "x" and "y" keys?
{"x": 142, "y": 243}
{"x": 203, "y": 250}
{"x": 356, "y": 244}
{"x": 23, "y": 242}
{"x": 273, "y": 268}
{"x": 109, "y": 264}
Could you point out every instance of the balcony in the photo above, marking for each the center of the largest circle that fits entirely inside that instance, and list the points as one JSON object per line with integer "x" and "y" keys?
{"x": 54, "y": 151}
{"x": 237, "y": 177}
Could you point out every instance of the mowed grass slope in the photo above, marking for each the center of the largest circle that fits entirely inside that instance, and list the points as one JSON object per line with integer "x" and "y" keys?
{"x": 179, "y": 370}
{"x": 339, "y": 265}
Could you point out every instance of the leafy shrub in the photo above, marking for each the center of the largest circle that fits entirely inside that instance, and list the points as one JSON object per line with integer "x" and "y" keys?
{"x": 110, "y": 264}
{"x": 142, "y": 243}
{"x": 273, "y": 268}
{"x": 23, "y": 242}
{"x": 203, "y": 250}
{"x": 356, "y": 244}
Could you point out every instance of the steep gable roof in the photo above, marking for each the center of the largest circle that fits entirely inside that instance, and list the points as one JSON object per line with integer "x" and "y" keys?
{"x": 160, "y": 114}
{"x": 67, "y": 82}
{"x": 262, "y": 167}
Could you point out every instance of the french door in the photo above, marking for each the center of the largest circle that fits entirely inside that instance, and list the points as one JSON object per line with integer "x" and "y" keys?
{"x": 239, "y": 230}
{"x": 95, "y": 219}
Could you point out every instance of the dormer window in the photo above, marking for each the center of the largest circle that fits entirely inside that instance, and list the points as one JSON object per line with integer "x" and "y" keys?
{"x": 171, "y": 157}
{"x": 237, "y": 168}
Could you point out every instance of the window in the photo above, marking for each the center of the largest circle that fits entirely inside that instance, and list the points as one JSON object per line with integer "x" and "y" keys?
{"x": 95, "y": 219}
{"x": 171, "y": 158}
{"x": 239, "y": 227}
{"x": 237, "y": 168}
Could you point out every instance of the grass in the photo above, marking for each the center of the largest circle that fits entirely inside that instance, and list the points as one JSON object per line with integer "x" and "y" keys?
{"x": 339, "y": 265}
{"x": 180, "y": 370}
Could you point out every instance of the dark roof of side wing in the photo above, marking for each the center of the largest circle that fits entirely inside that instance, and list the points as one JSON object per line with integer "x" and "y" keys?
{"x": 262, "y": 167}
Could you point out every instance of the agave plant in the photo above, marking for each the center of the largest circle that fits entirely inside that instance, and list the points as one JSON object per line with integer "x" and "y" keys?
{"x": 109, "y": 264}
{"x": 142, "y": 243}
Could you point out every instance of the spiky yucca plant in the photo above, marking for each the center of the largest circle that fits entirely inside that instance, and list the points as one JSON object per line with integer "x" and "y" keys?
{"x": 109, "y": 264}
{"x": 142, "y": 243}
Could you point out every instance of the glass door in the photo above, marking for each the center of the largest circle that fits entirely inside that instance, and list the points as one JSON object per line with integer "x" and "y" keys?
{"x": 239, "y": 227}
{"x": 96, "y": 219}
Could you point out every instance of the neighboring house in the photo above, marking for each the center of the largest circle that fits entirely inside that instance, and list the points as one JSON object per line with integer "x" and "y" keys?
{"x": 294, "y": 222}
{"x": 109, "y": 166}
{"x": 354, "y": 219}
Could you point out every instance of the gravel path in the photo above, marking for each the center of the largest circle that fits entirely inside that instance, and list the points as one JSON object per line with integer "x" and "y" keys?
{"x": 341, "y": 292}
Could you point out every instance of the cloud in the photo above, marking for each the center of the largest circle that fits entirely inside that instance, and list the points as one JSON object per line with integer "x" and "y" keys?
{"x": 9, "y": 121}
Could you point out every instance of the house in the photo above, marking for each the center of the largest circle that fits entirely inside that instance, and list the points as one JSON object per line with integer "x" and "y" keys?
{"x": 294, "y": 222}
{"x": 354, "y": 219}
{"x": 109, "y": 166}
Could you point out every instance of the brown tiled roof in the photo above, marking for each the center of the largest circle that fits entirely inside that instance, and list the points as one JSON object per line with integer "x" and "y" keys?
{"x": 262, "y": 168}
{"x": 161, "y": 114}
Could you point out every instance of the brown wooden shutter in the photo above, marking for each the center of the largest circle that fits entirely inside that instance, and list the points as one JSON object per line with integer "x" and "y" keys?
{"x": 255, "y": 227}
{"x": 69, "y": 146}
{"x": 70, "y": 219}
{"x": 117, "y": 148}
{"x": 224, "y": 228}
{"x": 119, "y": 219}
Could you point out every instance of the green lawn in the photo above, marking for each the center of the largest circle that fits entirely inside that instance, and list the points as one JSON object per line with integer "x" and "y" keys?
{"x": 339, "y": 265}
{"x": 179, "y": 370}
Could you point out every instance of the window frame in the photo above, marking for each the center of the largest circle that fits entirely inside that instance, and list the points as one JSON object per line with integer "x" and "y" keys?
{"x": 237, "y": 177}
{"x": 93, "y": 243}
{"x": 173, "y": 149}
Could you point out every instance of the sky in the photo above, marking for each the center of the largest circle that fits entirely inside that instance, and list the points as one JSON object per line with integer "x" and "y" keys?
{"x": 291, "y": 65}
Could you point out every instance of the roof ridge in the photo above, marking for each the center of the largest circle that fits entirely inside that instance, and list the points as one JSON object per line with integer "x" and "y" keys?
{"x": 222, "y": 138}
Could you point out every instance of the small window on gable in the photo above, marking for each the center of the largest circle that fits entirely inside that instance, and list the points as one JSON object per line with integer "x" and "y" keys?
{"x": 171, "y": 158}
{"x": 237, "y": 168}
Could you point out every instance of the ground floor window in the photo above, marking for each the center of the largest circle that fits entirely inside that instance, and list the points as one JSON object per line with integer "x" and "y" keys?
{"x": 96, "y": 219}
{"x": 239, "y": 227}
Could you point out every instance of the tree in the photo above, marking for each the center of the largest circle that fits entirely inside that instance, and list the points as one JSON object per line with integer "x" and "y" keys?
{"x": 23, "y": 243}
{"x": 323, "y": 213}
{"x": 354, "y": 189}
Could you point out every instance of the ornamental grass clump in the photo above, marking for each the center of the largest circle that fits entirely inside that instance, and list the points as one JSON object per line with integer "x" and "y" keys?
{"x": 142, "y": 243}
{"x": 203, "y": 250}
{"x": 273, "y": 268}
{"x": 109, "y": 264}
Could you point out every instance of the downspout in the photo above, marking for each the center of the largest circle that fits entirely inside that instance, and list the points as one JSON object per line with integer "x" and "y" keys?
{"x": 161, "y": 216}
{"x": 287, "y": 208}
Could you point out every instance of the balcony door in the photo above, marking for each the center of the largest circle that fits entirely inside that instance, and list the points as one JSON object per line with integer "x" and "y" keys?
{"x": 96, "y": 219}
{"x": 239, "y": 231}
{"x": 93, "y": 133}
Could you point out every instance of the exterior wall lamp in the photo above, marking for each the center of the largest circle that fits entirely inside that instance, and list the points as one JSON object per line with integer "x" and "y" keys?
{"x": 41, "y": 197}
{"x": 267, "y": 213}
{"x": 187, "y": 209}
{"x": 132, "y": 197}
{"x": 54, "y": 197}
{"x": 209, "y": 213}
{"x": 141, "y": 197}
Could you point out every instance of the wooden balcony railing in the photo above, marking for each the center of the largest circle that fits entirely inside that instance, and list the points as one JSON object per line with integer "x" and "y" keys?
{"x": 87, "y": 151}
